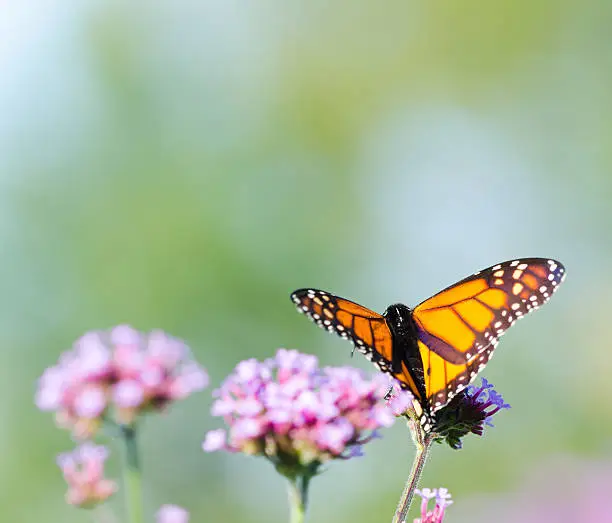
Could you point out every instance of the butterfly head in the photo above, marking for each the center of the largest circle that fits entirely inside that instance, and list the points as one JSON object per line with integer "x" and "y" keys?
{"x": 399, "y": 319}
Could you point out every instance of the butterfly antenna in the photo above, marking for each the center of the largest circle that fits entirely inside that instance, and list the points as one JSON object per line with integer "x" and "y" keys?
{"x": 353, "y": 351}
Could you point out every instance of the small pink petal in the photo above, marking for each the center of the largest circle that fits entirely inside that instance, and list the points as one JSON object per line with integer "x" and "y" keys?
{"x": 152, "y": 375}
{"x": 90, "y": 402}
{"x": 214, "y": 440}
{"x": 89, "y": 451}
{"x": 249, "y": 407}
{"x": 128, "y": 394}
{"x": 334, "y": 437}
{"x": 128, "y": 360}
{"x": 191, "y": 379}
{"x": 280, "y": 420}
{"x": 125, "y": 335}
{"x": 195, "y": 376}
{"x": 172, "y": 514}
{"x": 384, "y": 417}
{"x": 93, "y": 356}
{"x": 248, "y": 370}
{"x": 51, "y": 386}
{"x": 165, "y": 350}
{"x": 246, "y": 428}
{"x": 223, "y": 407}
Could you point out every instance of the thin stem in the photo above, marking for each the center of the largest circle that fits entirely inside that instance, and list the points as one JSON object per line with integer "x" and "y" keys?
{"x": 132, "y": 477}
{"x": 423, "y": 446}
{"x": 298, "y": 498}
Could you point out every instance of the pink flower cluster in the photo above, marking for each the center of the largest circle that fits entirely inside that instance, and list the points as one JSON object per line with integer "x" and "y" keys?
{"x": 296, "y": 414}
{"x": 117, "y": 375}
{"x": 443, "y": 500}
{"x": 83, "y": 470}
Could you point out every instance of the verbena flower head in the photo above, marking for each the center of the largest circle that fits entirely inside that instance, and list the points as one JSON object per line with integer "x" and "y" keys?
{"x": 171, "y": 514}
{"x": 297, "y": 415}
{"x": 443, "y": 500}
{"x": 117, "y": 375}
{"x": 469, "y": 411}
{"x": 83, "y": 470}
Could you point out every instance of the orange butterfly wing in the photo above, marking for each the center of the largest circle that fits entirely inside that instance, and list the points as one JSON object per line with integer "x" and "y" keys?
{"x": 367, "y": 329}
{"x": 459, "y": 327}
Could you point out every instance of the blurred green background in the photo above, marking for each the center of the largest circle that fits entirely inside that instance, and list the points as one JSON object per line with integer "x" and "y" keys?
{"x": 186, "y": 165}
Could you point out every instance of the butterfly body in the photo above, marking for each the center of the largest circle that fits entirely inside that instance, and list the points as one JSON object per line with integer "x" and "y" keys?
{"x": 437, "y": 348}
{"x": 404, "y": 333}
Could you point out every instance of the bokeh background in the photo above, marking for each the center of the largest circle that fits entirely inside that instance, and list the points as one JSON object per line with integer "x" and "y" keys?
{"x": 186, "y": 165}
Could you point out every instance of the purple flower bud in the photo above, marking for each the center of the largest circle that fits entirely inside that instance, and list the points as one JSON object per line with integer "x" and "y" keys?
{"x": 469, "y": 411}
{"x": 355, "y": 452}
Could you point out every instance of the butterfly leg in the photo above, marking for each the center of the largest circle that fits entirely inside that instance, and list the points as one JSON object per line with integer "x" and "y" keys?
{"x": 389, "y": 393}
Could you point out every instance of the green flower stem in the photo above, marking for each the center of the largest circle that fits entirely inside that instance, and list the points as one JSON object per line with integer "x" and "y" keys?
{"x": 423, "y": 446}
{"x": 132, "y": 477}
{"x": 298, "y": 498}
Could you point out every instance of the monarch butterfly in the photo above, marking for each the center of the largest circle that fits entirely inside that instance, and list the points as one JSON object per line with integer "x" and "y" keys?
{"x": 436, "y": 349}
